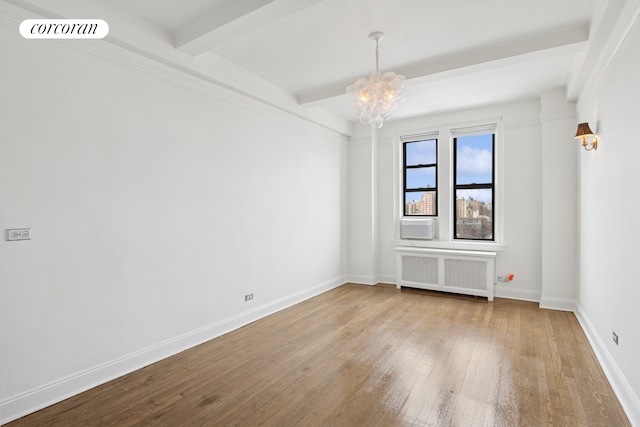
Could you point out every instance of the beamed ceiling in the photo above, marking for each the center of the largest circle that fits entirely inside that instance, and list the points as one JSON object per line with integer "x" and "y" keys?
{"x": 454, "y": 53}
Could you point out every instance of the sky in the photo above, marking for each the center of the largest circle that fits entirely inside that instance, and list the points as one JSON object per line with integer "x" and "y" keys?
{"x": 474, "y": 159}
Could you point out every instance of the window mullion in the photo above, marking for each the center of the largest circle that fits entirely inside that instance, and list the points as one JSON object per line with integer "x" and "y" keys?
{"x": 472, "y": 186}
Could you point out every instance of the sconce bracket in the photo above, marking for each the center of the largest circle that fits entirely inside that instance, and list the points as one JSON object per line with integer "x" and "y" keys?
{"x": 593, "y": 145}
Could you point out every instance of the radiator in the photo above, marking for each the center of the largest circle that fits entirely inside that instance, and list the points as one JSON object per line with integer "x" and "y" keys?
{"x": 458, "y": 271}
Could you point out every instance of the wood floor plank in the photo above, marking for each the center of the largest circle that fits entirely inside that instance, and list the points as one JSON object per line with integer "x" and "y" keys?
{"x": 367, "y": 356}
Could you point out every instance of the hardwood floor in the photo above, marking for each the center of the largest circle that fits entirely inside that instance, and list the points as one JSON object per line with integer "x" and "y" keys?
{"x": 368, "y": 356}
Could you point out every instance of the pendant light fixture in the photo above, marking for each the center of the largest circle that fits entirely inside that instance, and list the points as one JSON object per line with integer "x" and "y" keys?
{"x": 374, "y": 98}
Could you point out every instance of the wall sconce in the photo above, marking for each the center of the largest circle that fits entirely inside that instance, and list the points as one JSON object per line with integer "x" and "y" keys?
{"x": 583, "y": 132}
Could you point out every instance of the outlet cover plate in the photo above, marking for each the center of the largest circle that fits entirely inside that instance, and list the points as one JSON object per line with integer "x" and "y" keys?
{"x": 18, "y": 234}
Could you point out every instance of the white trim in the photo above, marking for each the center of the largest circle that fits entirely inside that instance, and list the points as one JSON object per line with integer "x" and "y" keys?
{"x": 628, "y": 399}
{"x": 561, "y": 304}
{"x": 419, "y": 137}
{"x": 517, "y": 294}
{"x": 48, "y": 394}
{"x": 474, "y": 130}
{"x": 521, "y": 124}
{"x": 445, "y": 252}
{"x": 558, "y": 115}
{"x": 389, "y": 279}
{"x": 360, "y": 279}
{"x": 452, "y": 245}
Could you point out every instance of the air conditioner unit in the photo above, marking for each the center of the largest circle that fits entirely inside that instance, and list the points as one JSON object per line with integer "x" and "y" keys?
{"x": 417, "y": 228}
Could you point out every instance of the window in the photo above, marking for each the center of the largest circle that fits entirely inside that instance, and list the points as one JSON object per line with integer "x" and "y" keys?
{"x": 449, "y": 176}
{"x": 473, "y": 185}
{"x": 420, "y": 177}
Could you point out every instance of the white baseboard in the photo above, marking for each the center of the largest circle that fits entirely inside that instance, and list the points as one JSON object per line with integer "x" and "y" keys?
{"x": 625, "y": 394}
{"x": 389, "y": 279}
{"x": 518, "y": 294}
{"x": 363, "y": 280}
{"x": 48, "y": 394}
{"x": 561, "y": 304}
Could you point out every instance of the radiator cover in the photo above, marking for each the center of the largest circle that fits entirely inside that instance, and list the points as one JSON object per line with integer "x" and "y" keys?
{"x": 464, "y": 272}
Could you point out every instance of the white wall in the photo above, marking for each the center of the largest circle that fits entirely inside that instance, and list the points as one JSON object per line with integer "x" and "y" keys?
{"x": 362, "y": 260}
{"x": 522, "y": 192}
{"x": 559, "y": 202}
{"x": 156, "y": 202}
{"x": 609, "y": 288}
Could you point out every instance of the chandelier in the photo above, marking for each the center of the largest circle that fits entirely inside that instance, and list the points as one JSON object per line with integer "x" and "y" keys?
{"x": 374, "y": 99}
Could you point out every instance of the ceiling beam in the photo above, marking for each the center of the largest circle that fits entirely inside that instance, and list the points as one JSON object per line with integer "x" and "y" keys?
{"x": 235, "y": 19}
{"x": 601, "y": 33}
{"x": 552, "y": 42}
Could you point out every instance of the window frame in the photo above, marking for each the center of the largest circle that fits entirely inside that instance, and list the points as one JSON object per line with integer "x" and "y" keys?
{"x": 443, "y": 231}
{"x": 434, "y": 166}
{"x": 474, "y": 186}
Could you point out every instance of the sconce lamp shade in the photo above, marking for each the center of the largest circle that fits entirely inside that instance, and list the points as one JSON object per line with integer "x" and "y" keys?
{"x": 585, "y": 131}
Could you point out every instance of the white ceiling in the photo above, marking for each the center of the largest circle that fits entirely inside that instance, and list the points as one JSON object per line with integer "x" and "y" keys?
{"x": 454, "y": 53}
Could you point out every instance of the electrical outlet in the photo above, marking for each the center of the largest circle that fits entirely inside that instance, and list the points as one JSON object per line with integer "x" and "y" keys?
{"x": 248, "y": 297}
{"x": 615, "y": 338}
{"x": 18, "y": 234}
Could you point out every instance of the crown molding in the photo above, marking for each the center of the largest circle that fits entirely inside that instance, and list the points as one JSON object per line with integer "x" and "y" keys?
{"x": 521, "y": 124}
{"x": 128, "y": 57}
{"x": 558, "y": 115}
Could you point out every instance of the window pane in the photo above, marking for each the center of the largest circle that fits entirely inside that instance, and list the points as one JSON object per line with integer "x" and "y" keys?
{"x": 421, "y": 178}
{"x": 420, "y": 152}
{"x": 474, "y": 214}
{"x": 474, "y": 159}
{"x": 420, "y": 203}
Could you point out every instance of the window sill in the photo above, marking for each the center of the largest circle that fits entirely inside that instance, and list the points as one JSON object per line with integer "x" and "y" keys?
{"x": 465, "y": 245}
